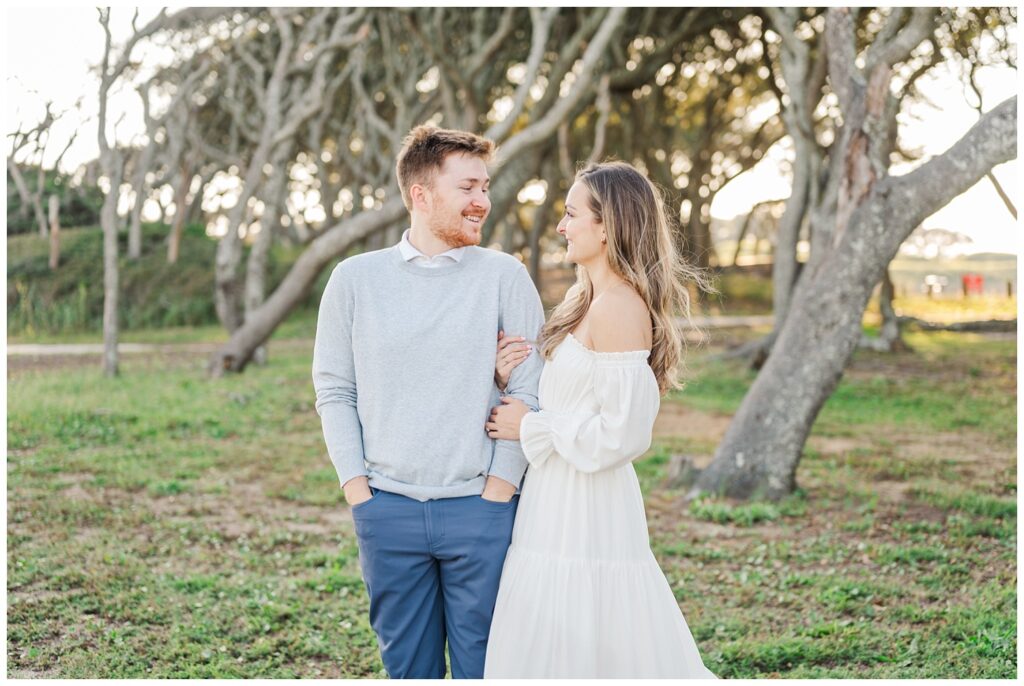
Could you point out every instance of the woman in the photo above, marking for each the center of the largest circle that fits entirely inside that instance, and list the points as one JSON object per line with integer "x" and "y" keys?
{"x": 581, "y": 593}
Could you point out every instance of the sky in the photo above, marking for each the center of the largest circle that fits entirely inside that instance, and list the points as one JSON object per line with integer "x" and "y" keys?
{"x": 978, "y": 213}
{"x": 54, "y": 62}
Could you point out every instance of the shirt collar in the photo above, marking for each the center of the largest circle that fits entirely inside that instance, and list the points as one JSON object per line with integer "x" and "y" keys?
{"x": 410, "y": 252}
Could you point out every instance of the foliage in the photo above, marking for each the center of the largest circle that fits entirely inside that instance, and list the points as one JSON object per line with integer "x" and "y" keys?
{"x": 79, "y": 203}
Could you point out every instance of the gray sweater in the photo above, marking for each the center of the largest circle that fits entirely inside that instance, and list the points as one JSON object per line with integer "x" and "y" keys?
{"x": 403, "y": 368}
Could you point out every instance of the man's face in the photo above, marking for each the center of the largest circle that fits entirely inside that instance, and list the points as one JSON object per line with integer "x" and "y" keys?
{"x": 457, "y": 201}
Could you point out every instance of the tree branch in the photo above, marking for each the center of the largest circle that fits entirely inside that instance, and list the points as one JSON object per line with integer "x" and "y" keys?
{"x": 922, "y": 192}
{"x": 547, "y": 125}
{"x": 898, "y": 49}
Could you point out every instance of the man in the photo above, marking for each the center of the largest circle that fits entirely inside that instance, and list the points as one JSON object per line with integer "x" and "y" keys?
{"x": 403, "y": 368}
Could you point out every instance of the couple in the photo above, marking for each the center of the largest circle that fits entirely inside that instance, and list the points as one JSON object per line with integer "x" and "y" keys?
{"x": 406, "y": 379}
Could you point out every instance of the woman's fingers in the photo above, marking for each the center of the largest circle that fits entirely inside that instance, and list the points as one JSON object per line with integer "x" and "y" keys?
{"x": 514, "y": 355}
{"x": 515, "y": 342}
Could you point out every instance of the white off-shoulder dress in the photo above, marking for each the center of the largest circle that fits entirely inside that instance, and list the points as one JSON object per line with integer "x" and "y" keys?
{"x": 581, "y": 593}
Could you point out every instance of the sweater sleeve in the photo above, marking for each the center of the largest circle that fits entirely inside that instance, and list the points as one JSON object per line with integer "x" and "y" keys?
{"x": 334, "y": 379}
{"x": 620, "y": 431}
{"x": 521, "y": 315}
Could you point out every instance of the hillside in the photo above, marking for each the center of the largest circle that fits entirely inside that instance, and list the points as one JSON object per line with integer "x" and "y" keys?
{"x": 154, "y": 294}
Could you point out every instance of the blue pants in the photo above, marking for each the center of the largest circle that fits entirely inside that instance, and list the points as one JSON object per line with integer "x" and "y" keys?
{"x": 432, "y": 570}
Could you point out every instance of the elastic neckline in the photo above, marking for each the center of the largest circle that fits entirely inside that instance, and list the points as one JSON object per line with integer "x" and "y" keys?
{"x": 625, "y": 355}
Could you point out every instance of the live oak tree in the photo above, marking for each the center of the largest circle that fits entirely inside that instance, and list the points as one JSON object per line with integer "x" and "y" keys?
{"x": 388, "y": 89}
{"x": 873, "y": 213}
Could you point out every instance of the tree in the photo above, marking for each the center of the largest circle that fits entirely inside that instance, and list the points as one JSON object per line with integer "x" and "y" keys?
{"x": 113, "y": 66}
{"x": 34, "y": 143}
{"x": 387, "y": 75}
{"x": 874, "y": 213}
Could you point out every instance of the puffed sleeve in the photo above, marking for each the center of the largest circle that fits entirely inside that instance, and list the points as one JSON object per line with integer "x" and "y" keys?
{"x": 618, "y": 433}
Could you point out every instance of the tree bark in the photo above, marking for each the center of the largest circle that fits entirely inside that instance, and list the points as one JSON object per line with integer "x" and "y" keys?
{"x": 762, "y": 447}
{"x": 256, "y": 268}
{"x": 539, "y": 222}
{"x": 54, "y": 232}
{"x": 144, "y": 162}
{"x": 108, "y": 219}
{"x": 180, "y": 209}
{"x": 890, "y": 337}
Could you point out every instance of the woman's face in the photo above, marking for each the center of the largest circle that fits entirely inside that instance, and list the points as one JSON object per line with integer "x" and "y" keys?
{"x": 582, "y": 230}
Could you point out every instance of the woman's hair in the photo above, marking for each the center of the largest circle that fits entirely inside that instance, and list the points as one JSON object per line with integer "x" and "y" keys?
{"x": 641, "y": 251}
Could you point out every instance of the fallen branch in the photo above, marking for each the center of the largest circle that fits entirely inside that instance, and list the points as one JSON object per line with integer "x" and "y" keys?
{"x": 982, "y": 326}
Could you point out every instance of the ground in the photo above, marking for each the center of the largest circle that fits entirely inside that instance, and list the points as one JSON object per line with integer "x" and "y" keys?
{"x": 165, "y": 525}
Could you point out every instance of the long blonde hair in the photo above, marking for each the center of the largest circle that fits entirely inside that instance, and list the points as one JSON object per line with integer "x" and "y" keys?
{"x": 640, "y": 251}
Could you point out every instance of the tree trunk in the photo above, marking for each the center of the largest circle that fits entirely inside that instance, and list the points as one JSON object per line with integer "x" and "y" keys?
{"x": 180, "y": 209}
{"x": 28, "y": 200}
{"x": 890, "y": 338}
{"x": 540, "y": 219}
{"x": 37, "y": 200}
{"x": 256, "y": 268}
{"x": 695, "y": 246}
{"x": 108, "y": 219}
{"x": 195, "y": 206}
{"x": 762, "y": 447}
{"x": 784, "y": 262}
{"x": 144, "y": 161}
{"x": 54, "y": 232}
{"x": 227, "y": 285}
{"x": 234, "y": 355}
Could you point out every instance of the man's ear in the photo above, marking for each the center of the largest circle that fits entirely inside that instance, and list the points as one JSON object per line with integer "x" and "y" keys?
{"x": 420, "y": 196}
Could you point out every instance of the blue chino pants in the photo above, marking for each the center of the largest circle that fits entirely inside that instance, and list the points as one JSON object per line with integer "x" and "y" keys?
{"x": 432, "y": 570}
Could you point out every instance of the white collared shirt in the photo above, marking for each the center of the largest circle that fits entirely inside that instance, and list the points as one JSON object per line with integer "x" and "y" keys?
{"x": 411, "y": 254}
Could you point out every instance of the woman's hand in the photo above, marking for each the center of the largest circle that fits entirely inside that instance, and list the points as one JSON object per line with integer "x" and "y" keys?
{"x": 505, "y": 420}
{"x": 512, "y": 350}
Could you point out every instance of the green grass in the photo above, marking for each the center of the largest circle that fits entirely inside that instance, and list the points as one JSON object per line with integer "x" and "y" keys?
{"x": 165, "y": 525}
{"x": 954, "y": 397}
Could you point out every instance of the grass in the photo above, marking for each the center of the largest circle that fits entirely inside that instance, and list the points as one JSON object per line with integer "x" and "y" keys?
{"x": 945, "y": 389}
{"x": 165, "y": 525}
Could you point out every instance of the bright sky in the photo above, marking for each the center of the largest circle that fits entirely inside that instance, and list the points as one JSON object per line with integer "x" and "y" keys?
{"x": 978, "y": 213}
{"x": 55, "y": 63}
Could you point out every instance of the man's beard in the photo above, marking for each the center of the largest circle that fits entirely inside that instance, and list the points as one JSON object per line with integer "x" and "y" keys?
{"x": 455, "y": 236}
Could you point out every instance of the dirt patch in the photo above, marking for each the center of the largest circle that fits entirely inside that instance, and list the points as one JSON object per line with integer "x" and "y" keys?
{"x": 678, "y": 420}
{"x": 835, "y": 445}
{"x": 16, "y": 673}
{"x": 247, "y": 510}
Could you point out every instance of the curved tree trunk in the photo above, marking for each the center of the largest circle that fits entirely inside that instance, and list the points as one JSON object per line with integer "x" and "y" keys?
{"x": 234, "y": 355}
{"x": 762, "y": 447}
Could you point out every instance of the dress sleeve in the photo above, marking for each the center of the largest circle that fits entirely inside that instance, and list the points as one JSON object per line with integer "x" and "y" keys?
{"x": 619, "y": 432}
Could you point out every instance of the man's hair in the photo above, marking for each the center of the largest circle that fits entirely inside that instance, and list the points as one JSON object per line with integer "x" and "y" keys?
{"x": 425, "y": 149}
